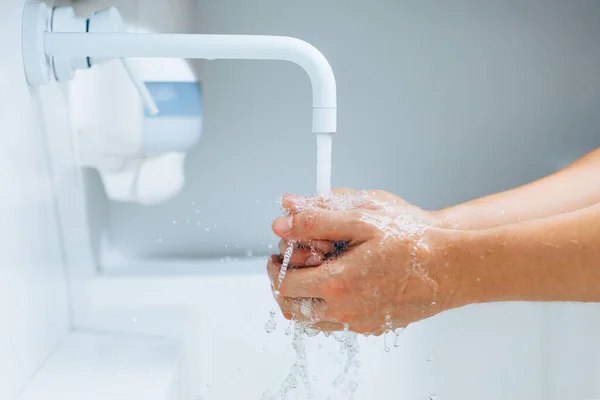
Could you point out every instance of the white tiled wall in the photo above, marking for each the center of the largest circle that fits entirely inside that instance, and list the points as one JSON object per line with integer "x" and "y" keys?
{"x": 36, "y": 177}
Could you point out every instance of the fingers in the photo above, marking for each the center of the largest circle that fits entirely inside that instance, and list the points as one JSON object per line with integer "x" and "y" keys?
{"x": 298, "y": 282}
{"x": 322, "y": 225}
{"x": 328, "y": 326}
{"x": 273, "y": 267}
{"x": 306, "y": 254}
{"x": 295, "y": 203}
{"x": 304, "y": 310}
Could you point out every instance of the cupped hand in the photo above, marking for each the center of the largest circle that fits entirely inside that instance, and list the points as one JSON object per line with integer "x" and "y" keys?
{"x": 388, "y": 273}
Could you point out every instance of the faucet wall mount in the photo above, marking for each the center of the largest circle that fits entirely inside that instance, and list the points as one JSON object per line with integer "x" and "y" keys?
{"x": 55, "y": 40}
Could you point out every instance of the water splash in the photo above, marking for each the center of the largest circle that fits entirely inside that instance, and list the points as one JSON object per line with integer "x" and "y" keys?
{"x": 349, "y": 349}
{"x": 404, "y": 226}
{"x": 288, "y": 331}
{"x": 299, "y": 370}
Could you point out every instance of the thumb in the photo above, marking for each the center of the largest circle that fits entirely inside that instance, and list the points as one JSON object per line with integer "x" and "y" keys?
{"x": 321, "y": 225}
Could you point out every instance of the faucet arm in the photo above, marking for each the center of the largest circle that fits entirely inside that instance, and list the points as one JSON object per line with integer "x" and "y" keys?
{"x": 210, "y": 47}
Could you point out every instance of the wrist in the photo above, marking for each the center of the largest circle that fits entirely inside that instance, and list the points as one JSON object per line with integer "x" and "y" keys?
{"x": 448, "y": 266}
{"x": 455, "y": 217}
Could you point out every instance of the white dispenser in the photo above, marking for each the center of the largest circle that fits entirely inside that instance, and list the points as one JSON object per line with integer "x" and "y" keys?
{"x": 140, "y": 157}
{"x": 133, "y": 124}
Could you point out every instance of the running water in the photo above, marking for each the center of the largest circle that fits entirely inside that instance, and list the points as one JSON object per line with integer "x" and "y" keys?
{"x": 348, "y": 340}
{"x": 324, "y": 143}
{"x": 284, "y": 266}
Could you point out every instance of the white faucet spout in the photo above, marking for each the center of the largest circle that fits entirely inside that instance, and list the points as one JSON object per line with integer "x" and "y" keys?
{"x": 211, "y": 47}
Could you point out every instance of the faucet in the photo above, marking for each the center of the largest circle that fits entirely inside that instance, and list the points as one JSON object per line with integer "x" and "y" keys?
{"x": 61, "y": 42}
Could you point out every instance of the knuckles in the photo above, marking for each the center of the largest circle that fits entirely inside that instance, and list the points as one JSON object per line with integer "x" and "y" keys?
{"x": 308, "y": 221}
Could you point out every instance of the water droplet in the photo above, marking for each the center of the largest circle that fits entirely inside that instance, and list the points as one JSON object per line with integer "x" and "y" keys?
{"x": 271, "y": 325}
{"x": 134, "y": 320}
{"x": 248, "y": 253}
{"x": 208, "y": 386}
{"x": 199, "y": 223}
{"x": 338, "y": 380}
{"x": 430, "y": 359}
{"x": 385, "y": 342}
{"x": 270, "y": 246}
{"x": 433, "y": 396}
{"x": 193, "y": 203}
{"x": 207, "y": 229}
{"x": 433, "y": 303}
{"x": 398, "y": 333}
{"x": 288, "y": 330}
{"x": 352, "y": 386}
{"x": 174, "y": 222}
{"x": 264, "y": 349}
{"x": 267, "y": 396}
{"x": 159, "y": 240}
{"x": 314, "y": 378}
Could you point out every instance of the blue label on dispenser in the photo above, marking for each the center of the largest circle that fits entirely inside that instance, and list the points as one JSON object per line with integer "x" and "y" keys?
{"x": 176, "y": 99}
{"x": 178, "y": 124}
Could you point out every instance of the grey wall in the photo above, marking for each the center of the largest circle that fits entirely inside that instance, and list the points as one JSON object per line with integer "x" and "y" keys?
{"x": 439, "y": 102}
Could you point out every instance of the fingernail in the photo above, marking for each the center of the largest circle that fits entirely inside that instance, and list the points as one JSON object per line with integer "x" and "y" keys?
{"x": 313, "y": 261}
{"x": 283, "y": 224}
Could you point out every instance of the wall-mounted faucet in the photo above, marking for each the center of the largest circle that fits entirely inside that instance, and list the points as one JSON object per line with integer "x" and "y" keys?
{"x": 62, "y": 43}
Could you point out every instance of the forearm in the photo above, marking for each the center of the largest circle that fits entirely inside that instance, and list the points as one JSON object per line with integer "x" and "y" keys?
{"x": 549, "y": 259}
{"x": 575, "y": 187}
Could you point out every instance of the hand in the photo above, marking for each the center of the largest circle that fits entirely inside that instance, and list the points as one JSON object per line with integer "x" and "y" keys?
{"x": 390, "y": 274}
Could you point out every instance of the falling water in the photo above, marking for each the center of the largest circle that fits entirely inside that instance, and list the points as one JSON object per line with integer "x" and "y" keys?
{"x": 324, "y": 142}
{"x": 284, "y": 266}
{"x": 347, "y": 339}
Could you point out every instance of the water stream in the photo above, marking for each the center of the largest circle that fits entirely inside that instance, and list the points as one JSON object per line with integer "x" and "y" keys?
{"x": 348, "y": 340}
